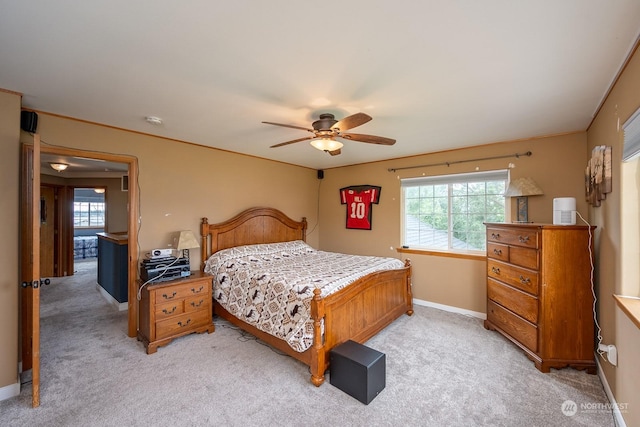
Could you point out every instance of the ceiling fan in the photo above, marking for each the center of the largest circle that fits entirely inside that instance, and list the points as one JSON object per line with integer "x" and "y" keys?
{"x": 327, "y": 128}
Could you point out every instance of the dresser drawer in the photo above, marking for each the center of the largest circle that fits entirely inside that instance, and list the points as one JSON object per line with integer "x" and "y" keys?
{"x": 524, "y": 257}
{"x": 514, "y": 325}
{"x": 521, "y": 278}
{"x": 175, "y": 325}
{"x": 498, "y": 251}
{"x": 182, "y": 291}
{"x": 517, "y": 301}
{"x": 524, "y": 237}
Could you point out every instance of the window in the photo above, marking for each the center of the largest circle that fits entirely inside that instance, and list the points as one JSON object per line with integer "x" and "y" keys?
{"x": 630, "y": 200}
{"x": 447, "y": 212}
{"x": 88, "y": 209}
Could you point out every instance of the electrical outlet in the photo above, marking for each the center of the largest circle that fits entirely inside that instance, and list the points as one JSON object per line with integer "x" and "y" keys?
{"x": 611, "y": 351}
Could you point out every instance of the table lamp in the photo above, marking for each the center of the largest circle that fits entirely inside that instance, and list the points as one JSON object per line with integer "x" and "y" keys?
{"x": 186, "y": 240}
{"x": 522, "y": 188}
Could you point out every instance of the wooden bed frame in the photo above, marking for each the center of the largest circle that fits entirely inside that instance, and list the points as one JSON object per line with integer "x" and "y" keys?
{"x": 356, "y": 312}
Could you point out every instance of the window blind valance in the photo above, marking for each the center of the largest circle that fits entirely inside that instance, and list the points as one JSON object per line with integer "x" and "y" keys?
{"x": 497, "y": 175}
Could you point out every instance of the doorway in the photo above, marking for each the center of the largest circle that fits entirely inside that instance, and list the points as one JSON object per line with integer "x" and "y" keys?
{"x": 87, "y": 170}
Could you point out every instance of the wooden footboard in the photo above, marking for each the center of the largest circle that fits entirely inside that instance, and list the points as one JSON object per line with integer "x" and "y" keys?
{"x": 356, "y": 312}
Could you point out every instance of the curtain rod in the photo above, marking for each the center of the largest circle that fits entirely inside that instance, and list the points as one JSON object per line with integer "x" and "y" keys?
{"x": 517, "y": 155}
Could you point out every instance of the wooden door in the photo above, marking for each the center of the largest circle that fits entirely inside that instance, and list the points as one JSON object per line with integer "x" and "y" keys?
{"x": 30, "y": 263}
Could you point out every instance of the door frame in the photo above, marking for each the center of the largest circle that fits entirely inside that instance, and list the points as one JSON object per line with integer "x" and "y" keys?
{"x": 132, "y": 202}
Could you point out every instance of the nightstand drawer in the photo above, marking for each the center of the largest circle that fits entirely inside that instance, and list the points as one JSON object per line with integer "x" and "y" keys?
{"x": 175, "y": 325}
{"x": 521, "y": 278}
{"x": 181, "y": 291}
{"x": 167, "y": 309}
{"x": 196, "y": 303}
{"x": 517, "y": 301}
{"x": 514, "y": 325}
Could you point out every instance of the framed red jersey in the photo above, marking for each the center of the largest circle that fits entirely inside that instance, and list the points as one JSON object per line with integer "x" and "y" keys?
{"x": 359, "y": 199}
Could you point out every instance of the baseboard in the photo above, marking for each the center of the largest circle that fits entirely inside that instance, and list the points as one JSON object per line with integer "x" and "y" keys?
{"x": 450, "y": 308}
{"x": 9, "y": 391}
{"x": 121, "y": 306}
{"x": 617, "y": 415}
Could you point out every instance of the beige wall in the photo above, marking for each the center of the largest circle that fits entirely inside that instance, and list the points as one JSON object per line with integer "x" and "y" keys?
{"x": 9, "y": 229}
{"x": 180, "y": 183}
{"x": 557, "y": 165}
{"x": 624, "y": 380}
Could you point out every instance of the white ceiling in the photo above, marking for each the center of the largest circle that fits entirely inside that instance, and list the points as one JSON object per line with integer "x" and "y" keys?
{"x": 434, "y": 75}
{"x": 82, "y": 167}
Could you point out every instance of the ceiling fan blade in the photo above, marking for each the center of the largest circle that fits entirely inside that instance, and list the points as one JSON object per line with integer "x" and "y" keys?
{"x": 289, "y": 126}
{"x": 335, "y": 152}
{"x": 306, "y": 138}
{"x": 372, "y": 139}
{"x": 352, "y": 121}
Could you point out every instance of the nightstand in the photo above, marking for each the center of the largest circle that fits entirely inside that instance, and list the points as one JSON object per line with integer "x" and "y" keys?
{"x": 175, "y": 308}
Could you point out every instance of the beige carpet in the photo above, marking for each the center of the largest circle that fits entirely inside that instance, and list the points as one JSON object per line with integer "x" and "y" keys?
{"x": 443, "y": 369}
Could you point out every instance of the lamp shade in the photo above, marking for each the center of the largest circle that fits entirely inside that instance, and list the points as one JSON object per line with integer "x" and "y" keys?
{"x": 187, "y": 240}
{"x": 523, "y": 187}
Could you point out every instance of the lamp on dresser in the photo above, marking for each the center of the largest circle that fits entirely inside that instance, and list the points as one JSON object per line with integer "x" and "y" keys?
{"x": 522, "y": 188}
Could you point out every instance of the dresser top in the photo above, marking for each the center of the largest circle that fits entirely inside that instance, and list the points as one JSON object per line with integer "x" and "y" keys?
{"x": 537, "y": 225}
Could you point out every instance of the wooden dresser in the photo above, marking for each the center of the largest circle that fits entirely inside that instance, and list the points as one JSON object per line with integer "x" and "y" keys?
{"x": 539, "y": 292}
{"x": 175, "y": 308}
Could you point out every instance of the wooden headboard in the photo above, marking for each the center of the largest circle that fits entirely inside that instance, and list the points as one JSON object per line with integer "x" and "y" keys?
{"x": 251, "y": 227}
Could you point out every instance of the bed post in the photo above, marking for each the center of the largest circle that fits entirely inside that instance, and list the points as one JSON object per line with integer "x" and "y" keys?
{"x": 407, "y": 263}
{"x": 304, "y": 228}
{"x": 204, "y": 232}
{"x": 317, "y": 354}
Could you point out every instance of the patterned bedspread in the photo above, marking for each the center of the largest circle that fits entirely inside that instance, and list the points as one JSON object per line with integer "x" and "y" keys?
{"x": 270, "y": 286}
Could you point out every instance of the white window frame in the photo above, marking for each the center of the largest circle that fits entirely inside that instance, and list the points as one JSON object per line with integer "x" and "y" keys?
{"x": 89, "y": 210}
{"x": 449, "y": 180}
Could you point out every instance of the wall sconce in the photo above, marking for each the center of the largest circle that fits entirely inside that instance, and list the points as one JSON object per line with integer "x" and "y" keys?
{"x": 59, "y": 166}
{"x": 99, "y": 190}
{"x": 522, "y": 188}
{"x": 187, "y": 240}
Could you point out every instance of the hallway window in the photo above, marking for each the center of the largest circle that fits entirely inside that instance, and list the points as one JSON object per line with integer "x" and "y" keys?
{"x": 88, "y": 209}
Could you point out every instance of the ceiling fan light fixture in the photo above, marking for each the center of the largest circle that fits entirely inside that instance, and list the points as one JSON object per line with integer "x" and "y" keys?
{"x": 59, "y": 166}
{"x": 327, "y": 144}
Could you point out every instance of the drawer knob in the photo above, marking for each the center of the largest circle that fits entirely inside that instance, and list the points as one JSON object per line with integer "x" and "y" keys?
{"x": 165, "y": 311}
{"x": 525, "y": 280}
{"x": 495, "y": 235}
{"x": 193, "y": 303}
{"x": 182, "y": 325}
{"x": 165, "y": 296}
{"x": 523, "y": 239}
{"x": 497, "y": 251}
{"x": 193, "y": 290}
{"x": 496, "y": 270}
